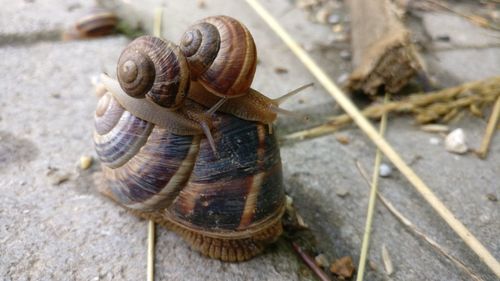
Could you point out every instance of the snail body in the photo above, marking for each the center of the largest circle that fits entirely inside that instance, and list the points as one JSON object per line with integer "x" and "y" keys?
{"x": 253, "y": 106}
{"x": 227, "y": 207}
{"x": 222, "y": 58}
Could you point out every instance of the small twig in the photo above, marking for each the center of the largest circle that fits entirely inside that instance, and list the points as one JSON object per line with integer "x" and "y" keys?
{"x": 151, "y": 225}
{"x": 158, "y": 20}
{"x": 475, "y": 19}
{"x": 415, "y": 230}
{"x": 490, "y": 129}
{"x": 386, "y": 259}
{"x": 309, "y": 261}
{"x": 371, "y": 203}
{"x": 151, "y": 251}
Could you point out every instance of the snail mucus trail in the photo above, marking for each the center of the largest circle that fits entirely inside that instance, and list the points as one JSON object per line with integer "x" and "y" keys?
{"x": 155, "y": 162}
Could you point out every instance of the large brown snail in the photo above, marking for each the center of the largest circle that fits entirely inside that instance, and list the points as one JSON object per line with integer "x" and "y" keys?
{"x": 158, "y": 164}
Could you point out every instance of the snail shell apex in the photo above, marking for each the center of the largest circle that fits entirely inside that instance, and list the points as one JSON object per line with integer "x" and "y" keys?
{"x": 222, "y": 55}
{"x": 156, "y": 69}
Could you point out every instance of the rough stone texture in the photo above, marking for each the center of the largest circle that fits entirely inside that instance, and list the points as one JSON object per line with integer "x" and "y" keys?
{"x": 462, "y": 33}
{"x": 29, "y": 21}
{"x": 69, "y": 232}
{"x": 472, "y": 53}
{"x": 319, "y": 169}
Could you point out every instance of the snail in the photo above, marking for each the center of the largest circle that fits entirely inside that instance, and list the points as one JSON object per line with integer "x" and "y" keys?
{"x": 253, "y": 106}
{"x": 221, "y": 55}
{"x": 155, "y": 143}
{"x": 222, "y": 59}
{"x": 96, "y": 23}
{"x": 227, "y": 207}
{"x": 155, "y": 72}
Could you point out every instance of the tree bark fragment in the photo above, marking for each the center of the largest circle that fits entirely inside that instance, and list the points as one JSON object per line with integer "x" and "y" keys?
{"x": 383, "y": 55}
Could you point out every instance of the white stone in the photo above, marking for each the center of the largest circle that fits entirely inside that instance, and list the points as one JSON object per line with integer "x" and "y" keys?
{"x": 455, "y": 142}
{"x": 385, "y": 170}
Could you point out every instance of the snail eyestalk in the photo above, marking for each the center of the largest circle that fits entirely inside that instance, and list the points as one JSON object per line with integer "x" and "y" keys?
{"x": 292, "y": 93}
{"x": 216, "y": 106}
{"x": 274, "y": 106}
{"x": 210, "y": 138}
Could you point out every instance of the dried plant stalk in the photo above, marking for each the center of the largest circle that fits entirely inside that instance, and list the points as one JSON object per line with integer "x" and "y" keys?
{"x": 415, "y": 230}
{"x": 438, "y": 106}
{"x": 460, "y": 229}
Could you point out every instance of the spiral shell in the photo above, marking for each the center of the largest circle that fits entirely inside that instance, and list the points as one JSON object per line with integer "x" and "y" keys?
{"x": 95, "y": 23}
{"x": 221, "y": 54}
{"x": 156, "y": 69}
{"x": 227, "y": 207}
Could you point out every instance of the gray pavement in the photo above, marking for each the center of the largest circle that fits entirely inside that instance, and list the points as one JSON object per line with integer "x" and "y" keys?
{"x": 69, "y": 232}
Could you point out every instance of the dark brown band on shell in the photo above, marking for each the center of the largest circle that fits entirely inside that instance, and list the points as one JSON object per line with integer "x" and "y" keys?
{"x": 97, "y": 23}
{"x": 200, "y": 44}
{"x": 154, "y": 68}
{"x": 232, "y": 70}
{"x": 222, "y": 192}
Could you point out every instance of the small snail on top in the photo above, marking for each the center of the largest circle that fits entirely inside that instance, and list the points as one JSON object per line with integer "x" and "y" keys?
{"x": 156, "y": 70}
{"x": 222, "y": 59}
{"x": 157, "y": 163}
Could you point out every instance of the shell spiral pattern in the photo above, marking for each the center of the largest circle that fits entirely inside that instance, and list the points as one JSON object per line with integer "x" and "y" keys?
{"x": 227, "y": 207}
{"x": 221, "y": 54}
{"x": 156, "y": 69}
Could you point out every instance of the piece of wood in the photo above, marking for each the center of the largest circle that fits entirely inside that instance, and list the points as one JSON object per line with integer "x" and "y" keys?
{"x": 383, "y": 55}
{"x": 349, "y": 107}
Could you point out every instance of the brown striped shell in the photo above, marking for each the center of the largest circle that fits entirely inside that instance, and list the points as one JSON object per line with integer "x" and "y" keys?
{"x": 156, "y": 69}
{"x": 227, "y": 207}
{"x": 95, "y": 23}
{"x": 221, "y": 54}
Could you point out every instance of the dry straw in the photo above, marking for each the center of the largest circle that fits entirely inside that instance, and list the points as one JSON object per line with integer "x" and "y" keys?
{"x": 379, "y": 141}
{"x": 439, "y": 106}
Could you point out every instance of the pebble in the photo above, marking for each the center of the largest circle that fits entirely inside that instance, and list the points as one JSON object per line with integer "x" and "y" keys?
{"x": 343, "y": 78}
{"x": 289, "y": 203}
{"x": 337, "y": 28}
{"x": 342, "y": 139}
{"x": 492, "y": 197}
{"x": 280, "y": 70}
{"x": 85, "y": 162}
{"x": 342, "y": 192}
{"x": 334, "y": 19}
{"x": 455, "y": 142}
{"x": 301, "y": 222}
{"x": 434, "y": 141}
{"x": 58, "y": 177}
{"x": 343, "y": 267}
{"x": 345, "y": 54}
{"x": 321, "y": 260}
{"x": 385, "y": 170}
{"x": 323, "y": 15}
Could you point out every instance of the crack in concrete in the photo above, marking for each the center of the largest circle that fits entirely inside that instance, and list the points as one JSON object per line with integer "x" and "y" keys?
{"x": 30, "y": 38}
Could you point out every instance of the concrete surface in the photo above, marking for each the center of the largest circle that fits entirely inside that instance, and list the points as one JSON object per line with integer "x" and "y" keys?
{"x": 69, "y": 232}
